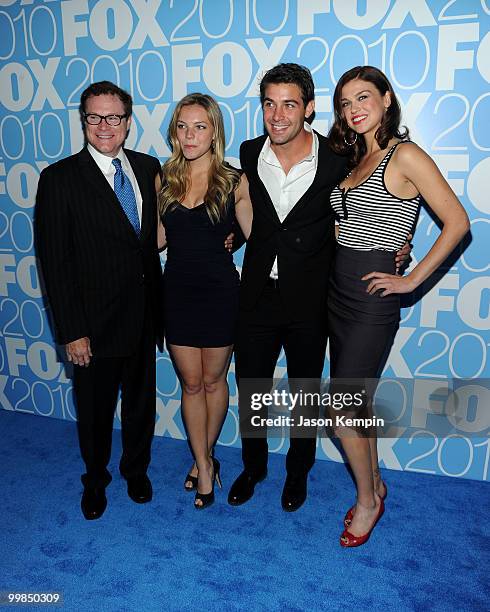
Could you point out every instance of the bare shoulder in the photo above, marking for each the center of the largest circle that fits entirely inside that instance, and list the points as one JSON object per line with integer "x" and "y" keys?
{"x": 241, "y": 190}
{"x": 410, "y": 158}
{"x": 243, "y": 181}
{"x": 410, "y": 153}
{"x": 158, "y": 182}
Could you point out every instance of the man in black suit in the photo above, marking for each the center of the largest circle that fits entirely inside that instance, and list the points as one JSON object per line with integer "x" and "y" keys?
{"x": 96, "y": 232}
{"x": 286, "y": 265}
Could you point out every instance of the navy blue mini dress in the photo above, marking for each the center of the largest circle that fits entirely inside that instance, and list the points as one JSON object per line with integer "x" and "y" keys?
{"x": 201, "y": 281}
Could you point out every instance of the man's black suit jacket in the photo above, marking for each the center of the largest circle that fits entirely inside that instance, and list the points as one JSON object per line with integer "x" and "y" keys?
{"x": 304, "y": 242}
{"x": 97, "y": 271}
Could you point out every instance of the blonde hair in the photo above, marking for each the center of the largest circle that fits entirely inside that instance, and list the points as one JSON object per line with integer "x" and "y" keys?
{"x": 222, "y": 179}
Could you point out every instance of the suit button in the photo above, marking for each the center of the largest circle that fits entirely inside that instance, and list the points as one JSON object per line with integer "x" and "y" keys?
{"x": 298, "y": 239}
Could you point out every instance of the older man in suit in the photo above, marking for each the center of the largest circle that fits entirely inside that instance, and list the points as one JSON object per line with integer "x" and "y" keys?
{"x": 96, "y": 231}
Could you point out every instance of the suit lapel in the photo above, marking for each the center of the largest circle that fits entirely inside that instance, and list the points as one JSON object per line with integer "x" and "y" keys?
{"x": 92, "y": 174}
{"x": 254, "y": 166}
{"x": 269, "y": 206}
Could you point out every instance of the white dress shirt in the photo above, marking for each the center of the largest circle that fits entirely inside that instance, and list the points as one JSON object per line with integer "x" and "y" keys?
{"x": 108, "y": 170}
{"x": 285, "y": 190}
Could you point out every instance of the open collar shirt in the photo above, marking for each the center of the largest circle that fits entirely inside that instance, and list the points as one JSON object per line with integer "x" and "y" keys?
{"x": 285, "y": 190}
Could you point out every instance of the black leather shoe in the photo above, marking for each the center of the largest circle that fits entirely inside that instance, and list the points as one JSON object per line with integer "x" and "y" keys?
{"x": 243, "y": 488}
{"x": 294, "y": 492}
{"x": 93, "y": 503}
{"x": 140, "y": 489}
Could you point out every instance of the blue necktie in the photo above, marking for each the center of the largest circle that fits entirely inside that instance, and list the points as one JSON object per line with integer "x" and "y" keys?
{"x": 125, "y": 194}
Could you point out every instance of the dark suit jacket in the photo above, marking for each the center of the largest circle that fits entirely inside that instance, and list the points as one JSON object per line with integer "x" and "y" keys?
{"x": 97, "y": 272}
{"x": 304, "y": 242}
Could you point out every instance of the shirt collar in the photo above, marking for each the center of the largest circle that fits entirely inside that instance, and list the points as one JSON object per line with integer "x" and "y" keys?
{"x": 104, "y": 161}
{"x": 269, "y": 157}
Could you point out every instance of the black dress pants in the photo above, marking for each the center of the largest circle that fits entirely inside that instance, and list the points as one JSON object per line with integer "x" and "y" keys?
{"x": 96, "y": 391}
{"x": 262, "y": 333}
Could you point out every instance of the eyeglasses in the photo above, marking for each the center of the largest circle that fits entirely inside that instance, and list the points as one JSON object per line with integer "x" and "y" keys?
{"x": 94, "y": 119}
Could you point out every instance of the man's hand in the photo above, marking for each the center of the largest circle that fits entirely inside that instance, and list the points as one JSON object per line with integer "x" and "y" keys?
{"x": 78, "y": 351}
{"x": 229, "y": 242}
{"x": 403, "y": 255}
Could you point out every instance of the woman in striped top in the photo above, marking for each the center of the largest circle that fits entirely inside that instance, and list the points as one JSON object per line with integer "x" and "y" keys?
{"x": 376, "y": 206}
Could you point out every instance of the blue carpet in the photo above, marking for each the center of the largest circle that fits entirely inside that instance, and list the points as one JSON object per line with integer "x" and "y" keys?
{"x": 430, "y": 550}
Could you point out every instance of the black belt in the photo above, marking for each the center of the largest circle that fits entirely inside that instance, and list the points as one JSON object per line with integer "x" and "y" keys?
{"x": 273, "y": 283}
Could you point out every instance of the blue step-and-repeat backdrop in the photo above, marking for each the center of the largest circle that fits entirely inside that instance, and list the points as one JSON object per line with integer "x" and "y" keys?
{"x": 437, "y": 55}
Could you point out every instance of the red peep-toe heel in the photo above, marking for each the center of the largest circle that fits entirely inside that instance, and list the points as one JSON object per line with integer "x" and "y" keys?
{"x": 349, "y": 540}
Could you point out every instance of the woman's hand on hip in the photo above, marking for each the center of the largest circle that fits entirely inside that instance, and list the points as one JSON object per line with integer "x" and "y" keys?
{"x": 388, "y": 283}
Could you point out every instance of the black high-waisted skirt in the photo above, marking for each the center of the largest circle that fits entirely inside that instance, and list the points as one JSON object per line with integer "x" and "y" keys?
{"x": 361, "y": 326}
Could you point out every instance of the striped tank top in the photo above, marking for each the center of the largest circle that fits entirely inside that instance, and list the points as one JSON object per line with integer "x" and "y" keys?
{"x": 372, "y": 218}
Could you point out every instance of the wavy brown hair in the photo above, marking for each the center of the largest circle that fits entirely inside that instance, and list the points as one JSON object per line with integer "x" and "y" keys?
{"x": 340, "y": 133}
{"x": 222, "y": 178}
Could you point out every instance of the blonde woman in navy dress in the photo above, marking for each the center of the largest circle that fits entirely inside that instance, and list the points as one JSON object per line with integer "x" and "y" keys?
{"x": 376, "y": 205}
{"x": 199, "y": 200}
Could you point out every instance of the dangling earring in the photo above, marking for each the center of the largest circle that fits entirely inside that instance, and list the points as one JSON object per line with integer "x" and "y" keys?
{"x": 212, "y": 145}
{"x": 353, "y": 142}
